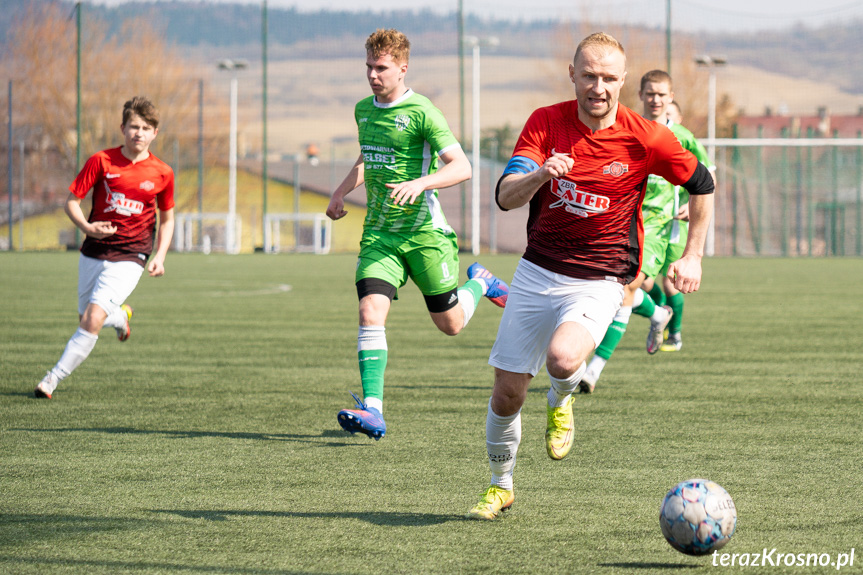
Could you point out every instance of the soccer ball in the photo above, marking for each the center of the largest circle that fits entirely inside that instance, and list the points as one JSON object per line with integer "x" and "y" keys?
{"x": 697, "y": 517}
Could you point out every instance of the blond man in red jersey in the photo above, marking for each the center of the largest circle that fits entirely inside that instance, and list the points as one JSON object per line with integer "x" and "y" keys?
{"x": 129, "y": 185}
{"x": 581, "y": 166}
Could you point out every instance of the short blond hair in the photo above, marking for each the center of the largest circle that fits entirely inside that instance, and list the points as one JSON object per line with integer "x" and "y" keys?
{"x": 599, "y": 40}
{"x": 390, "y": 42}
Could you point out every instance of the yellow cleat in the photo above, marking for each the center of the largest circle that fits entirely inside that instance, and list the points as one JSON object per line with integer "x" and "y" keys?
{"x": 672, "y": 343}
{"x": 494, "y": 500}
{"x": 559, "y": 430}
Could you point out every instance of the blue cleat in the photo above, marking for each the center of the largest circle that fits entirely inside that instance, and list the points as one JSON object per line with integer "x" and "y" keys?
{"x": 497, "y": 291}
{"x": 363, "y": 419}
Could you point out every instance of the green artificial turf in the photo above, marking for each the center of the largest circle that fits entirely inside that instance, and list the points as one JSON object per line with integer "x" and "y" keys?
{"x": 208, "y": 442}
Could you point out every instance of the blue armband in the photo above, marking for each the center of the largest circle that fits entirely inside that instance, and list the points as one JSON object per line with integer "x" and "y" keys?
{"x": 520, "y": 165}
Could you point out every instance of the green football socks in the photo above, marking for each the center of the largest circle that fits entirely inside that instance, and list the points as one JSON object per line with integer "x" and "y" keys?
{"x": 646, "y": 306}
{"x": 372, "y": 357}
{"x": 612, "y": 337}
{"x": 656, "y": 294}
{"x": 373, "y": 363}
{"x": 676, "y": 303}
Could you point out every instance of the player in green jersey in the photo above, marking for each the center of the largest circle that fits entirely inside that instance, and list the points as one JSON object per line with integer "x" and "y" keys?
{"x": 665, "y": 231}
{"x": 402, "y": 138}
{"x": 668, "y": 229}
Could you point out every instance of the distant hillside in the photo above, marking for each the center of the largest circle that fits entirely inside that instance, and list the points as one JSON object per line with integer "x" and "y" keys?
{"x": 828, "y": 53}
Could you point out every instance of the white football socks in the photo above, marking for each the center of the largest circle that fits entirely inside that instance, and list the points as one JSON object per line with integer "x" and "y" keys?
{"x": 623, "y": 314}
{"x": 77, "y": 349}
{"x": 502, "y": 436}
{"x": 116, "y": 319}
{"x": 468, "y": 304}
{"x": 561, "y": 389}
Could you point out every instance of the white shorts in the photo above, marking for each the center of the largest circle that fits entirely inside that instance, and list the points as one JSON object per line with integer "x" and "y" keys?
{"x": 540, "y": 301}
{"x": 106, "y": 284}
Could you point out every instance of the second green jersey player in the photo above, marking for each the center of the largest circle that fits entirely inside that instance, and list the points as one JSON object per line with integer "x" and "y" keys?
{"x": 665, "y": 234}
{"x": 407, "y": 152}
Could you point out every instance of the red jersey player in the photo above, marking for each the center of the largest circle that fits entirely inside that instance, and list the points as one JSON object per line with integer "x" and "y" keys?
{"x": 582, "y": 166}
{"x": 129, "y": 184}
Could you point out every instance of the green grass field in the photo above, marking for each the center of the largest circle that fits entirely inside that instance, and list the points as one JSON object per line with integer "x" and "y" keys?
{"x": 208, "y": 442}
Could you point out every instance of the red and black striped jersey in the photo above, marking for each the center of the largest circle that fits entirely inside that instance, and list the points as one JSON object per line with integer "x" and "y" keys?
{"x": 587, "y": 224}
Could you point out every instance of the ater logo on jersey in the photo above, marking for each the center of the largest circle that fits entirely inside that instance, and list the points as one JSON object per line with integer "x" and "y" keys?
{"x": 616, "y": 169}
{"x": 402, "y": 122}
{"x": 118, "y": 202}
{"x": 582, "y": 204}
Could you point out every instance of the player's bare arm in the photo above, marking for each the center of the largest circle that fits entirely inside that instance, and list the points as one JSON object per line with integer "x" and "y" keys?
{"x": 156, "y": 267}
{"x": 517, "y": 189}
{"x": 686, "y": 272}
{"x": 356, "y": 176}
{"x": 456, "y": 169}
{"x": 683, "y": 213}
{"x": 96, "y": 230}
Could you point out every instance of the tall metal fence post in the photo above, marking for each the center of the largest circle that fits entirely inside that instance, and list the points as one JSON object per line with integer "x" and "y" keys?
{"x": 784, "y": 191}
{"x": 798, "y": 222}
{"x": 9, "y": 146}
{"x": 297, "y": 187}
{"x": 200, "y": 158}
{"x": 810, "y": 191}
{"x": 21, "y": 162}
{"x": 859, "y": 250}
{"x": 834, "y": 207}
{"x": 735, "y": 182}
{"x": 762, "y": 185}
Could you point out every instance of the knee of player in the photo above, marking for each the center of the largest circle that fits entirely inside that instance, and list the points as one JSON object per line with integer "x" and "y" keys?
{"x": 562, "y": 366}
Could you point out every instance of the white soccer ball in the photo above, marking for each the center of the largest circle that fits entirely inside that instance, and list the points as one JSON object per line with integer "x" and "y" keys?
{"x": 697, "y": 516}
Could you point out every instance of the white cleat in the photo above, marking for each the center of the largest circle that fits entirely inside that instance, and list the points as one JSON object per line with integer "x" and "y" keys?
{"x": 654, "y": 336}
{"x": 588, "y": 382}
{"x": 46, "y": 387}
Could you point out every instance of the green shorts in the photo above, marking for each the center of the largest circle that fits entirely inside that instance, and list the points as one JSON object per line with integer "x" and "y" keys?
{"x": 663, "y": 246}
{"x": 430, "y": 259}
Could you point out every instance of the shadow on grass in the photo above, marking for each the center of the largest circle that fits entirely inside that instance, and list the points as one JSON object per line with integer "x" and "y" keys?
{"x": 27, "y": 394}
{"x": 184, "y": 434}
{"x": 132, "y": 566}
{"x": 390, "y": 519}
{"x": 17, "y": 526}
{"x": 651, "y": 566}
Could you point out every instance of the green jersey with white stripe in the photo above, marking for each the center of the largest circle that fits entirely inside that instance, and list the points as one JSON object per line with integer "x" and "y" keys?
{"x": 663, "y": 199}
{"x": 401, "y": 141}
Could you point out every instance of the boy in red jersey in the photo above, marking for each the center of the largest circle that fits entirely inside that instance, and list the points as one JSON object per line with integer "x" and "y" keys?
{"x": 582, "y": 166}
{"x": 129, "y": 184}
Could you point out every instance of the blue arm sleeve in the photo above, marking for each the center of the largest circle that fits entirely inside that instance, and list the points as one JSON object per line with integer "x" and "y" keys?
{"x": 520, "y": 165}
{"x": 516, "y": 165}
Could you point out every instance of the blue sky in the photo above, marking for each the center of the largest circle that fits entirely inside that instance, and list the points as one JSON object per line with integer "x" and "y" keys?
{"x": 724, "y": 15}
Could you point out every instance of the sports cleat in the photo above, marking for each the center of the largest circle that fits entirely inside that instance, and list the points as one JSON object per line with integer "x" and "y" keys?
{"x": 46, "y": 387}
{"x": 654, "y": 336}
{"x": 559, "y": 430}
{"x": 672, "y": 343}
{"x": 124, "y": 332}
{"x": 497, "y": 291}
{"x": 363, "y": 419}
{"x": 588, "y": 382}
{"x": 493, "y": 501}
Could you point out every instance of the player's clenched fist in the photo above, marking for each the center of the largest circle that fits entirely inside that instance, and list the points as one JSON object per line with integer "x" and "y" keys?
{"x": 558, "y": 165}
{"x": 101, "y": 230}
